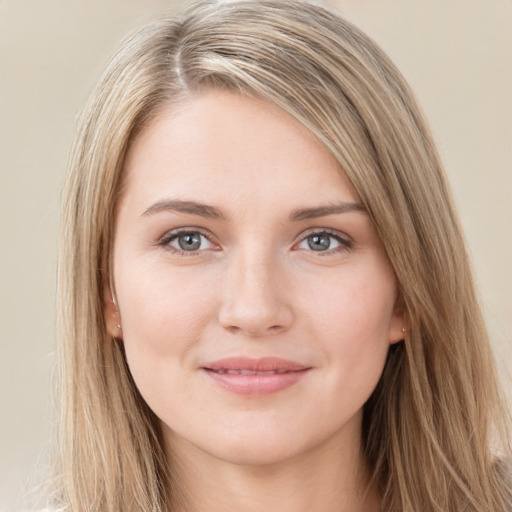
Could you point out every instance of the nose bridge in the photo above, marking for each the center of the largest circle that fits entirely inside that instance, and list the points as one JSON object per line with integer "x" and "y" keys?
{"x": 253, "y": 295}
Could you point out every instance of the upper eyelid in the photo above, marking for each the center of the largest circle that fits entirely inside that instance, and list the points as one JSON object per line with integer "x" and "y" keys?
{"x": 170, "y": 235}
{"x": 346, "y": 242}
{"x": 166, "y": 240}
{"x": 328, "y": 231}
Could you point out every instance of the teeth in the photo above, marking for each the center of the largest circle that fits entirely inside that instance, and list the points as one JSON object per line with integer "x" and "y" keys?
{"x": 250, "y": 372}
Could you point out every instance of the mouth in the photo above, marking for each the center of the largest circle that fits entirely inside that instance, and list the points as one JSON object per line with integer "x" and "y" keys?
{"x": 247, "y": 376}
{"x": 244, "y": 371}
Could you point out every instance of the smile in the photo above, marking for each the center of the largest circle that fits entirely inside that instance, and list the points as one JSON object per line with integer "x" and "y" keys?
{"x": 255, "y": 377}
{"x": 250, "y": 372}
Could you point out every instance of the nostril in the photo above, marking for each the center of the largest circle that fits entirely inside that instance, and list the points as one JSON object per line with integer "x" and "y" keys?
{"x": 255, "y": 314}
{"x": 273, "y": 329}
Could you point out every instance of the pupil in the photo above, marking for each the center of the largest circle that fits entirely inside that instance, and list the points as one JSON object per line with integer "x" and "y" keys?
{"x": 189, "y": 242}
{"x": 319, "y": 242}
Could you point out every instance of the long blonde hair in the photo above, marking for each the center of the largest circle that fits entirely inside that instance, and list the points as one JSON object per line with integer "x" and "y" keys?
{"x": 433, "y": 425}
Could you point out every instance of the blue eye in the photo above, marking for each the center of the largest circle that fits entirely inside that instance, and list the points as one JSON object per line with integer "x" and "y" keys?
{"x": 188, "y": 241}
{"x": 324, "y": 241}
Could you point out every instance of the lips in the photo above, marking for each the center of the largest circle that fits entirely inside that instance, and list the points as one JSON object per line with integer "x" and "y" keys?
{"x": 264, "y": 364}
{"x": 247, "y": 376}
{"x": 243, "y": 371}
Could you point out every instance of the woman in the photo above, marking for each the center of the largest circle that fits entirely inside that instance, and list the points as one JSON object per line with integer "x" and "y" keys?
{"x": 265, "y": 299}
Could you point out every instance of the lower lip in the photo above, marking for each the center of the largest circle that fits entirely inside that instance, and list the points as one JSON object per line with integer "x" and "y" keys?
{"x": 256, "y": 385}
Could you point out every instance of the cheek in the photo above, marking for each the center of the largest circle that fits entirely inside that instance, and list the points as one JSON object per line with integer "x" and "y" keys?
{"x": 164, "y": 314}
{"x": 351, "y": 317}
{"x": 354, "y": 304}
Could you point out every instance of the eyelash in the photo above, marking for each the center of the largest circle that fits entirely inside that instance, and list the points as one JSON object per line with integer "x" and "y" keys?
{"x": 173, "y": 235}
{"x": 345, "y": 243}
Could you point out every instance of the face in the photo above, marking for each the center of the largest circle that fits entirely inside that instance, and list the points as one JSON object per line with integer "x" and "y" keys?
{"x": 256, "y": 300}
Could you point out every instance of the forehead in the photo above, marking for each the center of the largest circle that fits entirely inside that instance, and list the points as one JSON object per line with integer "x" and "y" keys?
{"x": 219, "y": 144}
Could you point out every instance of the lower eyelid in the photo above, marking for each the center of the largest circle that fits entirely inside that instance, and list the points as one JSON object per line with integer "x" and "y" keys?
{"x": 166, "y": 240}
{"x": 345, "y": 242}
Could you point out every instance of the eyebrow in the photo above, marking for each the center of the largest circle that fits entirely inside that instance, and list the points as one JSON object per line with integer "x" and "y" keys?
{"x": 211, "y": 212}
{"x": 321, "y": 211}
{"x": 191, "y": 207}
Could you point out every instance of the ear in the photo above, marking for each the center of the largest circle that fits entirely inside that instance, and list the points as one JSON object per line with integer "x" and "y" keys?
{"x": 112, "y": 315}
{"x": 399, "y": 325}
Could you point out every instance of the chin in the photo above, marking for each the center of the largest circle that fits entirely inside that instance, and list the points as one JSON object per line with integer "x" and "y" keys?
{"x": 256, "y": 452}
{"x": 260, "y": 447}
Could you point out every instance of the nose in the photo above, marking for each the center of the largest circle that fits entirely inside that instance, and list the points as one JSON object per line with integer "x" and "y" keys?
{"x": 254, "y": 297}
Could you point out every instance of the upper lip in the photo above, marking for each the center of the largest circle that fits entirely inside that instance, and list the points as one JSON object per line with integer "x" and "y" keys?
{"x": 263, "y": 364}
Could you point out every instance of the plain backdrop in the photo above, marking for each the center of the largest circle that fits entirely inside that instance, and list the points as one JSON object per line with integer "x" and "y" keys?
{"x": 457, "y": 55}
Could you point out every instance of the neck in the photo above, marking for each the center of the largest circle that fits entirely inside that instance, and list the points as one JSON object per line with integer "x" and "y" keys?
{"x": 330, "y": 478}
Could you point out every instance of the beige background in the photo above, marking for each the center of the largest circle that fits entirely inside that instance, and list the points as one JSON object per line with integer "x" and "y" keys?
{"x": 457, "y": 54}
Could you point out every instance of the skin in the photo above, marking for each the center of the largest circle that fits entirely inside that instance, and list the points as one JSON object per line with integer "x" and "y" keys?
{"x": 254, "y": 288}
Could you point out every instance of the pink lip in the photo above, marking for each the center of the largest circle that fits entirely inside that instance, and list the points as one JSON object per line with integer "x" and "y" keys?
{"x": 246, "y": 376}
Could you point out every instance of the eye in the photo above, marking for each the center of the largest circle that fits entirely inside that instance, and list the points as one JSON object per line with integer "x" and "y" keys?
{"x": 324, "y": 241}
{"x": 187, "y": 241}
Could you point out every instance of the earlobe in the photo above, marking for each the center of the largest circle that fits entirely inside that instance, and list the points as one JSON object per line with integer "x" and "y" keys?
{"x": 112, "y": 315}
{"x": 399, "y": 325}
{"x": 397, "y": 333}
